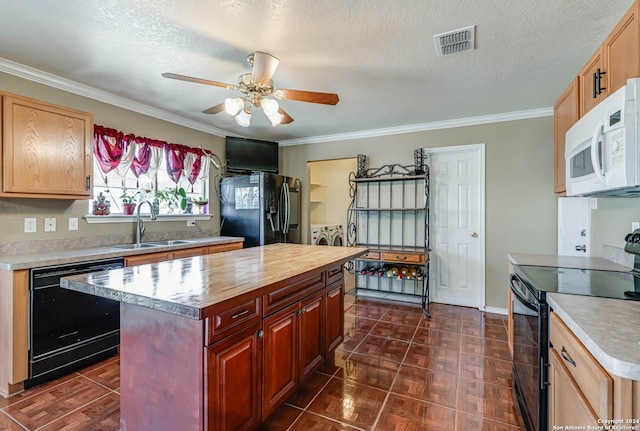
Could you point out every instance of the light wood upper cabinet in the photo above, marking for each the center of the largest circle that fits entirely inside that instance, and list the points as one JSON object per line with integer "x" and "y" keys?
{"x": 592, "y": 82}
{"x": 46, "y": 150}
{"x": 621, "y": 51}
{"x": 565, "y": 114}
{"x": 615, "y": 61}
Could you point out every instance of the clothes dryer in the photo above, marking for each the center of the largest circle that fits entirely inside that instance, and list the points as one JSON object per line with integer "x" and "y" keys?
{"x": 336, "y": 235}
{"x": 319, "y": 235}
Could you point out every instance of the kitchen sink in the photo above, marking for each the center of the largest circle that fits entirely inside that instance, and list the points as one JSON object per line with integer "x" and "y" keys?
{"x": 169, "y": 242}
{"x": 135, "y": 246}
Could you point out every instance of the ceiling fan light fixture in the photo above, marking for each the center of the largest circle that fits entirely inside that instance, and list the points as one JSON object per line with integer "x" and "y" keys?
{"x": 244, "y": 118}
{"x": 233, "y": 105}
{"x": 269, "y": 106}
{"x": 275, "y": 117}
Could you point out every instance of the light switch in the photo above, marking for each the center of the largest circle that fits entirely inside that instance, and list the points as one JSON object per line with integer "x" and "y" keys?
{"x": 49, "y": 224}
{"x": 30, "y": 225}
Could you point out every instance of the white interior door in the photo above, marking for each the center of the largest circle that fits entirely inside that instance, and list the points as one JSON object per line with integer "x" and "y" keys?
{"x": 457, "y": 225}
{"x": 574, "y": 226}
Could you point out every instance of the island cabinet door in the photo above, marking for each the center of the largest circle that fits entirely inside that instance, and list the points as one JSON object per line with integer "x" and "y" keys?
{"x": 233, "y": 382}
{"x": 280, "y": 358}
{"x": 312, "y": 334}
{"x": 335, "y": 316}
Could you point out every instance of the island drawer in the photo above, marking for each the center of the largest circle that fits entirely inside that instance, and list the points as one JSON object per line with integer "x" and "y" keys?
{"x": 594, "y": 382}
{"x": 334, "y": 274}
{"x": 288, "y": 294}
{"x": 235, "y": 313}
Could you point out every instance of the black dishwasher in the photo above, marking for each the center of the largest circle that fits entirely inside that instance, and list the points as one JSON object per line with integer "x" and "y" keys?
{"x": 69, "y": 330}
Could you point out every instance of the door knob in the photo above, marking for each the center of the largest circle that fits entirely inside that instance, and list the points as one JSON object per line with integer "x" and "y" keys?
{"x": 582, "y": 248}
{"x": 474, "y": 235}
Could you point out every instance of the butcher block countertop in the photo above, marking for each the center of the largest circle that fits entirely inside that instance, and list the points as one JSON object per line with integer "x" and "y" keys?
{"x": 191, "y": 287}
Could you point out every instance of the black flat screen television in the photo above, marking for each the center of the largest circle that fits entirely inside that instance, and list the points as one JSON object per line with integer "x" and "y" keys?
{"x": 247, "y": 155}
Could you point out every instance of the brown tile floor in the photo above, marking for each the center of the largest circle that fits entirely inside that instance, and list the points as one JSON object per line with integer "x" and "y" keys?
{"x": 396, "y": 370}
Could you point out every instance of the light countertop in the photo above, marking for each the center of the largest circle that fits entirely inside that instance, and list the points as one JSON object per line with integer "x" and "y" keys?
{"x": 14, "y": 262}
{"x": 596, "y": 263}
{"x": 608, "y": 328}
{"x": 189, "y": 287}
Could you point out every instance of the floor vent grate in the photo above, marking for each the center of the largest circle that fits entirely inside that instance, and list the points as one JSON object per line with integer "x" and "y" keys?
{"x": 453, "y": 42}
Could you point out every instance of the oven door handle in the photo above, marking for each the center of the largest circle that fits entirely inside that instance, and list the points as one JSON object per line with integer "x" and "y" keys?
{"x": 531, "y": 306}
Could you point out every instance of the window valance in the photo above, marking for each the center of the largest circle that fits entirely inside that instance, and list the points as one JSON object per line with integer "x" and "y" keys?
{"x": 120, "y": 152}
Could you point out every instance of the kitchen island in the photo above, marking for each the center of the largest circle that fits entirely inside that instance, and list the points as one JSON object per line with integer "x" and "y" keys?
{"x": 218, "y": 342}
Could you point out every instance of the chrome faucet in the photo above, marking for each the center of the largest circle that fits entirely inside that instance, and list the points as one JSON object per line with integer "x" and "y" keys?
{"x": 139, "y": 223}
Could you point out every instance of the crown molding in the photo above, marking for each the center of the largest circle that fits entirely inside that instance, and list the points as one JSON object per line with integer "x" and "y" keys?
{"x": 50, "y": 80}
{"x": 54, "y": 81}
{"x": 435, "y": 125}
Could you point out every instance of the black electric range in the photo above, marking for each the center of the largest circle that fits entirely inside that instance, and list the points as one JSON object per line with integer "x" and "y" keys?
{"x": 530, "y": 313}
{"x": 585, "y": 282}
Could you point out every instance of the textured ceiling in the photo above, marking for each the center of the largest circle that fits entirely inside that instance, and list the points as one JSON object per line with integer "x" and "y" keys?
{"x": 378, "y": 55}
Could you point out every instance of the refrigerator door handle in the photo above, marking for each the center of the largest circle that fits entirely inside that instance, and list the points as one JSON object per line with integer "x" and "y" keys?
{"x": 284, "y": 208}
{"x": 287, "y": 207}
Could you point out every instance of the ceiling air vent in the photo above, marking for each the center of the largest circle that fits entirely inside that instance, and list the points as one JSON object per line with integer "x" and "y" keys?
{"x": 453, "y": 42}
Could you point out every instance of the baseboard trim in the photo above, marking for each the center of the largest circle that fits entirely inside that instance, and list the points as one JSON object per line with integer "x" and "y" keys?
{"x": 495, "y": 310}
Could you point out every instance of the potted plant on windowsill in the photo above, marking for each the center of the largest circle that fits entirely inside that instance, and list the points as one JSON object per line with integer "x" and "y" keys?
{"x": 128, "y": 199}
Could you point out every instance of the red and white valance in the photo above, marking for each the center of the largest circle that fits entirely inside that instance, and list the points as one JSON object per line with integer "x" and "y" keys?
{"x": 115, "y": 151}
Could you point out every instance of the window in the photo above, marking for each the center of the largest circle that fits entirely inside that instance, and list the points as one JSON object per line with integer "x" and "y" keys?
{"x": 162, "y": 169}
{"x": 113, "y": 187}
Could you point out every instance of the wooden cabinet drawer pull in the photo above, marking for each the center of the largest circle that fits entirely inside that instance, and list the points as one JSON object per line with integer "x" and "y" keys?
{"x": 566, "y": 357}
{"x": 242, "y": 313}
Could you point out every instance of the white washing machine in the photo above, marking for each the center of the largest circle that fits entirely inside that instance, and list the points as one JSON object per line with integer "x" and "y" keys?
{"x": 336, "y": 235}
{"x": 319, "y": 235}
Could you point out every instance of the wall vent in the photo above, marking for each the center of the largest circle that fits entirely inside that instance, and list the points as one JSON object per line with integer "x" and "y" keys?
{"x": 453, "y": 42}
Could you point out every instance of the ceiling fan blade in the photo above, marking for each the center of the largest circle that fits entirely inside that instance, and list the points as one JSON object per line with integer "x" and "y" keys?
{"x": 197, "y": 80}
{"x": 214, "y": 109}
{"x": 307, "y": 96}
{"x": 286, "y": 117}
{"x": 264, "y": 66}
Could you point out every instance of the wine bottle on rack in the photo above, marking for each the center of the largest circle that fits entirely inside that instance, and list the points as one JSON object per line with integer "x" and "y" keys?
{"x": 381, "y": 271}
{"x": 389, "y": 272}
{"x": 372, "y": 271}
{"x": 419, "y": 275}
{"x": 414, "y": 271}
{"x": 364, "y": 270}
{"x": 405, "y": 272}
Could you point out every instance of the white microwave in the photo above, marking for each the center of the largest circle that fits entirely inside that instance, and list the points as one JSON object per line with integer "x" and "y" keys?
{"x": 601, "y": 148}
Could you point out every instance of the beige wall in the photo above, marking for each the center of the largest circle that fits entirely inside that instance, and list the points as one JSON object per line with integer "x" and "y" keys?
{"x": 329, "y": 196}
{"x": 521, "y": 209}
{"x": 611, "y": 221}
{"x": 13, "y": 211}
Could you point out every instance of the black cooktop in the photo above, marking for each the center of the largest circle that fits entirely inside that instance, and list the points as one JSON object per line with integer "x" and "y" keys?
{"x": 586, "y": 282}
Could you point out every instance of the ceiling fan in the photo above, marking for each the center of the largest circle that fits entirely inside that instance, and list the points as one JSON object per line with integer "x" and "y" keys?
{"x": 256, "y": 86}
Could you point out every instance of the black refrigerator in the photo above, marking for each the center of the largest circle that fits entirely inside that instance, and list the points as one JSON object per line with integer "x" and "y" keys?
{"x": 262, "y": 207}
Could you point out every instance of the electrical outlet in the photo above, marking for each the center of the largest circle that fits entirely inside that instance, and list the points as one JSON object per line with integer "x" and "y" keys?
{"x": 30, "y": 225}
{"x": 73, "y": 223}
{"x": 191, "y": 222}
{"x": 49, "y": 224}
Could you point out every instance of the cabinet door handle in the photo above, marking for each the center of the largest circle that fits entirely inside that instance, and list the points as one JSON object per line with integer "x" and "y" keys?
{"x": 600, "y": 87}
{"x": 595, "y": 85}
{"x": 261, "y": 334}
{"x": 566, "y": 357}
{"x": 242, "y": 313}
{"x": 88, "y": 182}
